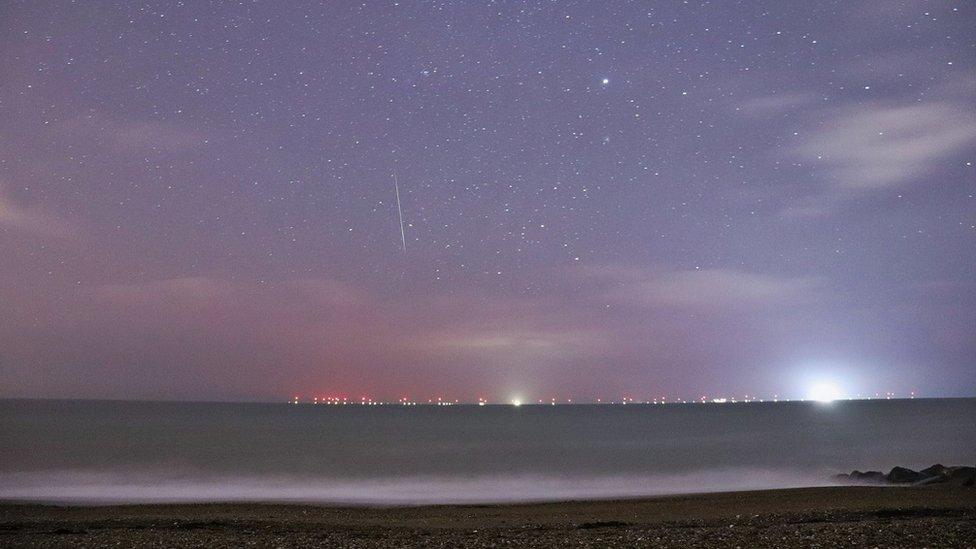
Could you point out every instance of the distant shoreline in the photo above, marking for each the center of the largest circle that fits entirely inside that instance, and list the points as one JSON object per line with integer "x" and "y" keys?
{"x": 475, "y": 404}
{"x": 930, "y": 515}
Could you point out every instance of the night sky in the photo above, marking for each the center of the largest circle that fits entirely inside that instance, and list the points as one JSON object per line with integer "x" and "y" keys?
{"x": 599, "y": 199}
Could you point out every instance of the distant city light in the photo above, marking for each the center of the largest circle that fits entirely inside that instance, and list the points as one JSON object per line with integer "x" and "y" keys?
{"x": 823, "y": 389}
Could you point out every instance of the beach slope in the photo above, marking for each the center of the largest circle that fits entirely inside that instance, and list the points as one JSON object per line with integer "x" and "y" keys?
{"x": 847, "y": 515}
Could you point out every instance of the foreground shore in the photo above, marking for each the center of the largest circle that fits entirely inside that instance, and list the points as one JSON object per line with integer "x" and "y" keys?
{"x": 932, "y": 516}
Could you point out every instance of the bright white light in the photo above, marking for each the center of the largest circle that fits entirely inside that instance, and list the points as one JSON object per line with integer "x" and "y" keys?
{"x": 516, "y": 402}
{"x": 605, "y": 81}
{"x": 823, "y": 392}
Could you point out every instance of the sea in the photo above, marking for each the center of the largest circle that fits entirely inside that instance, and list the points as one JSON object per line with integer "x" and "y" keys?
{"x": 106, "y": 452}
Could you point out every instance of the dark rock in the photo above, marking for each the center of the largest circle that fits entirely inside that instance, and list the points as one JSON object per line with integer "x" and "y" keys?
{"x": 874, "y": 477}
{"x": 954, "y": 475}
{"x": 931, "y": 480}
{"x": 963, "y": 476}
{"x": 857, "y": 477}
{"x": 868, "y": 476}
{"x": 902, "y": 475}
{"x": 936, "y": 470}
{"x": 938, "y": 473}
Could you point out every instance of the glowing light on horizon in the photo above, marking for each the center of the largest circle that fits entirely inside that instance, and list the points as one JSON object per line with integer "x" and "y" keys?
{"x": 824, "y": 392}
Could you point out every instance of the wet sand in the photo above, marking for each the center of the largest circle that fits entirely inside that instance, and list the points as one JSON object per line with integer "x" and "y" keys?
{"x": 931, "y": 516}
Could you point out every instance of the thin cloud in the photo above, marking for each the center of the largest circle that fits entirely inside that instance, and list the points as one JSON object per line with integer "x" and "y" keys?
{"x": 308, "y": 293}
{"x": 155, "y": 135}
{"x": 705, "y": 288}
{"x": 125, "y": 135}
{"x": 876, "y": 146}
{"x": 32, "y": 220}
{"x": 548, "y": 342}
{"x": 181, "y": 291}
{"x": 774, "y": 105}
{"x": 327, "y": 291}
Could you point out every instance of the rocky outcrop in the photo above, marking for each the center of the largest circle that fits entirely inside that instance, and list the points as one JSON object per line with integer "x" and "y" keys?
{"x": 903, "y": 475}
{"x": 867, "y": 477}
{"x": 938, "y": 473}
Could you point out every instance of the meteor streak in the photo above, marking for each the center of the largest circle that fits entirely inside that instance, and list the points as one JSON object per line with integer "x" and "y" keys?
{"x": 403, "y": 235}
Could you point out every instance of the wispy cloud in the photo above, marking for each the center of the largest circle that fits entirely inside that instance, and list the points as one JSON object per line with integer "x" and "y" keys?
{"x": 306, "y": 293}
{"x": 32, "y": 220}
{"x": 123, "y": 135}
{"x": 182, "y": 291}
{"x": 853, "y": 144}
{"x": 327, "y": 291}
{"x": 874, "y": 146}
{"x": 701, "y": 288}
{"x": 154, "y": 134}
{"x": 540, "y": 343}
{"x": 774, "y": 105}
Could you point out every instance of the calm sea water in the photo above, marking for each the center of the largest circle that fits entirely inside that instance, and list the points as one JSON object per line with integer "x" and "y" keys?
{"x": 85, "y": 451}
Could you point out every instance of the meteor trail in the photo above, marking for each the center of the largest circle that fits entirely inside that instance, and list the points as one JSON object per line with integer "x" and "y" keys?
{"x": 403, "y": 236}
